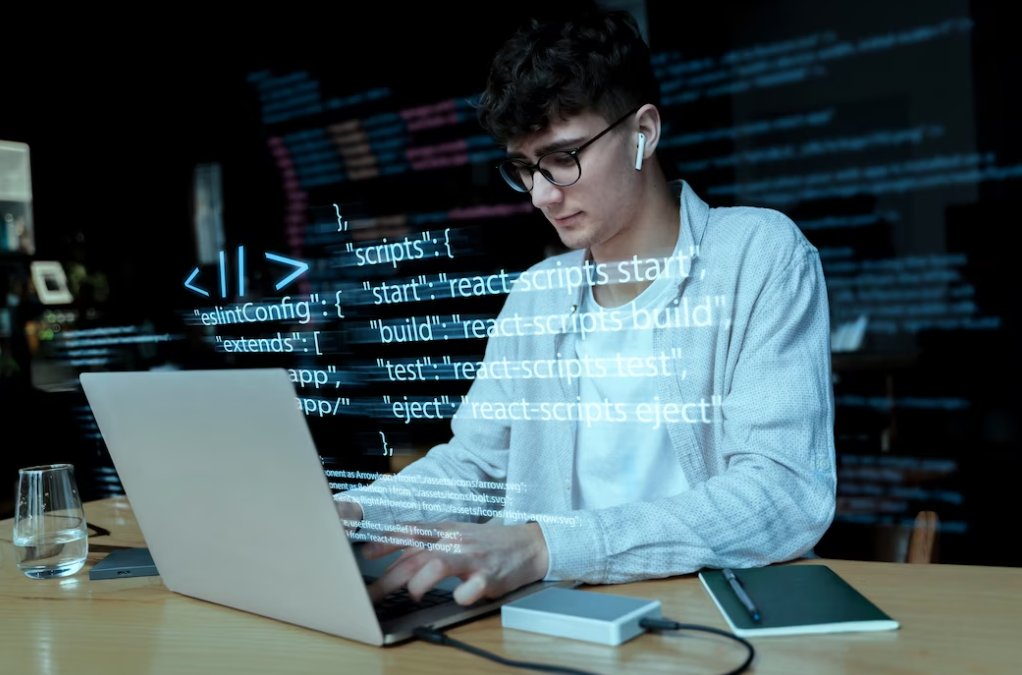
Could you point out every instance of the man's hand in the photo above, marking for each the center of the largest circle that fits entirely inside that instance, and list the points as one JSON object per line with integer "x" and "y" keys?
{"x": 491, "y": 560}
{"x": 350, "y": 511}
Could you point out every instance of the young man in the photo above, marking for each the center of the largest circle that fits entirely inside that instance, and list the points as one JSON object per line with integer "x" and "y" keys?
{"x": 657, "y": 400}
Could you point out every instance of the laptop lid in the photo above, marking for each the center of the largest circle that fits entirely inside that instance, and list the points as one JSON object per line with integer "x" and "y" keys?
{"x": 230, "y": 493}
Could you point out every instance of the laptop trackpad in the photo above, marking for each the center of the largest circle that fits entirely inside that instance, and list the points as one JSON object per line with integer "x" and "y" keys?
{"x": 375, "y": 568}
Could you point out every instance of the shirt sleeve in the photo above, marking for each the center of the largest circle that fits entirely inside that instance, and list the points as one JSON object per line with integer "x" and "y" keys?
{"x": 776, "y": 497}
{"x": 476, "y": 454}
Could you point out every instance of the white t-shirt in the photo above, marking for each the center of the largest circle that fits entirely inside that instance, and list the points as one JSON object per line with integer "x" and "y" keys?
{"x": 622, "y": 462}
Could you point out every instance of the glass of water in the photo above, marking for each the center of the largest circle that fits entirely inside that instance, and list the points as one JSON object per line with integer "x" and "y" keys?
{"x": 50, "y": 534}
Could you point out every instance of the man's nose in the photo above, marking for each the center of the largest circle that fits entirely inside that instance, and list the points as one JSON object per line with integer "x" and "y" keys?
{"x": 544, "y": 193}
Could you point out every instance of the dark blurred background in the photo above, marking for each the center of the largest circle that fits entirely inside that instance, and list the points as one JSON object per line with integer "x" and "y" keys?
{"x": 888, "y": 131}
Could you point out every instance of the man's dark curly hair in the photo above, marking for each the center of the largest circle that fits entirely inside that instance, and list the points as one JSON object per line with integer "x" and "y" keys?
{"x": 595, "y": 61}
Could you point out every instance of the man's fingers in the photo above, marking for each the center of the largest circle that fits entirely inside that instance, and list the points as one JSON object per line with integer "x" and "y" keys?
{"x": 376, "y": 549}
{"x": 436, "y": 569}
{"x": 396, "y": 577}
{"x": 407, "y": 553}
{"x": 420, "y": 574}
{"x": 419, "y": 535}
{"x": 419, "y": 540}
{"x": 473, "y": 590}
{"x": 379, "y": 549}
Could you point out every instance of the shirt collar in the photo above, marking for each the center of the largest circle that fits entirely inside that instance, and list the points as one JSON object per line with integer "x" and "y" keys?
{"x": 693, "y": 213}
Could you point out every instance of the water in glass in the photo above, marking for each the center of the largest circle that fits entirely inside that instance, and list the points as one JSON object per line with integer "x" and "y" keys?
{"x": 50, "y": 534}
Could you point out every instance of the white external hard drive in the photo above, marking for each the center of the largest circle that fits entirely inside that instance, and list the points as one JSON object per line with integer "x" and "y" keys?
{"x": 580, "y": 615}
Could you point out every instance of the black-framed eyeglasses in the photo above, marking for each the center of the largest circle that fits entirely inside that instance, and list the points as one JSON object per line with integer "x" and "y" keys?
{"x": 560, "y": 167}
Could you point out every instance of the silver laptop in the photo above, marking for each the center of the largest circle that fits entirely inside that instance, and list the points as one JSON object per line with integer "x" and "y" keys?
{"x": 232, "y": 499}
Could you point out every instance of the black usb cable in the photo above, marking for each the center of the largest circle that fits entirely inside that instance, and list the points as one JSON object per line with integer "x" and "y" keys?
{"x": 441, "y": 638}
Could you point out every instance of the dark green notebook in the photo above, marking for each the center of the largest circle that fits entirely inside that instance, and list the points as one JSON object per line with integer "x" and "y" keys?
{"x": 794, "y": 600}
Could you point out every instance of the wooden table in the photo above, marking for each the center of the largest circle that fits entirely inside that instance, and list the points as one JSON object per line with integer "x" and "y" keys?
{"x": 955, "y": 619}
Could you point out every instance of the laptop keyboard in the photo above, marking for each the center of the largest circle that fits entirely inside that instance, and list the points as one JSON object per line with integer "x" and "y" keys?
{"x": 400, "y": 603}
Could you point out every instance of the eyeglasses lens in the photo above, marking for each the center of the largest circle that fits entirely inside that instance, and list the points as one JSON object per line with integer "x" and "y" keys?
{"x": 517, "y": 176}
{"x": 560, "y": 168}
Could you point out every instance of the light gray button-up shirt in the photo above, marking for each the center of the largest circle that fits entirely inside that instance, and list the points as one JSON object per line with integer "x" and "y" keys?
{"x": 761, "y": 472}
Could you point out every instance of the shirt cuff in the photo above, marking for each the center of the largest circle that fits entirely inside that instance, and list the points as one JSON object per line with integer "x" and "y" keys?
{"x": 575, "y": 552}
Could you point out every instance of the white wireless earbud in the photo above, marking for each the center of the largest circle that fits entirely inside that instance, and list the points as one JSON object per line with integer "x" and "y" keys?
{"x": 638, "y": 153}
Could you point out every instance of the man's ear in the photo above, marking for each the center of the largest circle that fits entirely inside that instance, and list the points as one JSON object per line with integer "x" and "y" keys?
{"x": 648, "y": 118}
